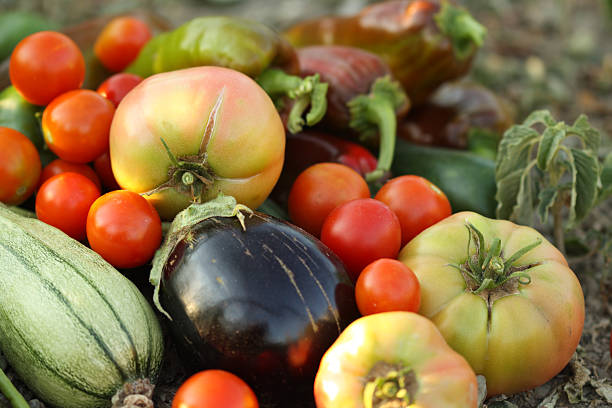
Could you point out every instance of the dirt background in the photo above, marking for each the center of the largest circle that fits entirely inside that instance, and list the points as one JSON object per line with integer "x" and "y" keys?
{"x": 554, "y": 54}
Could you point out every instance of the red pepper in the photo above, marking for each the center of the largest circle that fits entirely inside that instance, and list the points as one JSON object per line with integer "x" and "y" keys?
{"x": 424, "y": 42}
{"x": 362, "y": 97}
{"x": 304, "y": 149}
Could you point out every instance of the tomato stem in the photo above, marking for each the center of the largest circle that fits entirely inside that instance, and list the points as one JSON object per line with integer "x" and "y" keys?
{"x": 488, "y": 269}
{"x": 389, "y": 384}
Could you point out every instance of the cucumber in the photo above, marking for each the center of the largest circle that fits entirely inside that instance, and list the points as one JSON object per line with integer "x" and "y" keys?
{"x": 467, "y": 179}
{"x": 71, "y": 326}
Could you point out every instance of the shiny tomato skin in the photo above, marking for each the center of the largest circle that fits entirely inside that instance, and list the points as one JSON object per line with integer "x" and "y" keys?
{"x": 120, "y": 42}
{"x": 387, "y": 285}
{"x": 417, "y": 203}
{"x": 124, "y": 229}
{"x": 115, "y": 87}
{"x": 361, "y": 231}
{"x": 103, "y": 168}
{"x": 214, "y": 389}
{"x": 63, "y": 201}
{"x": 44, "y": 65}
{"x": 378, "y": 344}
{"x": 244, "y": 154}
{"x": 518, "y": 336}
{"x": 58, "y": 166}
{"x": 76, "y": 125}
{"x": 19, "y": 167}
{"x": 321, "y": 188}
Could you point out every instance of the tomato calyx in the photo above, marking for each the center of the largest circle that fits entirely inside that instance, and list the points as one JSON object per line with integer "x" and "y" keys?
{"x": 389, "y": 386}
{"x": 488, "y": 271}
{"x": 191, "y": 174}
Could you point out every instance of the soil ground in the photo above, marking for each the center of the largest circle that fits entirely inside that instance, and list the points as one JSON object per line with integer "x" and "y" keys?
{"x": 553, "y": 54}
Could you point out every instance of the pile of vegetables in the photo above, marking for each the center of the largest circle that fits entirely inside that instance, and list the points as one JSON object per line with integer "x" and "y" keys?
{"x": 328, "y": 216}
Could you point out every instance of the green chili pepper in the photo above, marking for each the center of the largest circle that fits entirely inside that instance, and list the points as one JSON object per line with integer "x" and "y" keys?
{"x": 246, "y": 46}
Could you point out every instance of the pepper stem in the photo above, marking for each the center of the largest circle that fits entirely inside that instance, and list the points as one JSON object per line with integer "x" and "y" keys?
{"x": 307, "y": 92}
{"x": 465, "y": 33}
{"x": 10, "y": 392}
{"x": 487, "y": 268}
{"x": 377, "y": 112}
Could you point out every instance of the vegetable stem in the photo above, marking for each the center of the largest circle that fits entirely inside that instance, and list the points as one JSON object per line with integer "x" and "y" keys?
{"x": 377, "y": 111}
{"x": 306, "y": 92}
{"x": 10, "y": 392}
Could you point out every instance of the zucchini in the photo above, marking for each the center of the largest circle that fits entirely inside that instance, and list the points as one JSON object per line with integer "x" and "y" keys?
{"x": 72, "y": 327}
{"x": 467, "y": 179}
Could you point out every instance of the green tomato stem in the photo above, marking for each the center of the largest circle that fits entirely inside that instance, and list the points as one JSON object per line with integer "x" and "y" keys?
{"x": 10, "y": 392}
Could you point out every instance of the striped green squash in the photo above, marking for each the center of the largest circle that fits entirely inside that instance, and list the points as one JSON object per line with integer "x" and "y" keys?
{"x": 73, "y": 328}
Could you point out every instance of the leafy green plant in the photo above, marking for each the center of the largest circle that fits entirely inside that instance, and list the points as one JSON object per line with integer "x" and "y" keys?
{"x": 549, "y": 167}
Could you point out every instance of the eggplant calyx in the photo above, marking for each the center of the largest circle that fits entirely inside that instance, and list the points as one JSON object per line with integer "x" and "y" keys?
{"x": 389, "y": 385}
{"x": 306, "y": 92}
{"x": 488, "y": 271}
{"x": 465, "y": 33}
{"x": 181, "y": 227}
{"x": 376, "y": 113}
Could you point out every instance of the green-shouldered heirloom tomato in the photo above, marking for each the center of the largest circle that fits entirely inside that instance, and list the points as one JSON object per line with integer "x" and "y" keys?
{"x": 394, "y": 359}
{"x": 501, "y": 295}
{"x": 188, "y": 135}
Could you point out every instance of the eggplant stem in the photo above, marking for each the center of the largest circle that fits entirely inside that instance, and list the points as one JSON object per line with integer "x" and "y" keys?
{"x": 10, "y": 392}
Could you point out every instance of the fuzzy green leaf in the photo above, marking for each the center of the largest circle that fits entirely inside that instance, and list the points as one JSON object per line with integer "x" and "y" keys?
{"x": 547, "y": 198}
{"x": 588, "y": 134}
{"x": 523, "y": 211}
{"x": 514, "y": 150}
{"x": 606, "y": 177}
{"x": 540, "y": 116}
{"x": 586, "y": 184}
{"x": 549, "y": 145}
{"x": 507, "y": 192}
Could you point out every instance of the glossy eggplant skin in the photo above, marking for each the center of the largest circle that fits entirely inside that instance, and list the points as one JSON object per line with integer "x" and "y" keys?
{"x": 264, "y": 303}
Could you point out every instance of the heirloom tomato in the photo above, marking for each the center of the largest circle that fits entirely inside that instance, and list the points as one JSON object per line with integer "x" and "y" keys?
{"x": 501, "y": 295}
{"x": 394, "y": 359}
{"x": 188, "y": 135}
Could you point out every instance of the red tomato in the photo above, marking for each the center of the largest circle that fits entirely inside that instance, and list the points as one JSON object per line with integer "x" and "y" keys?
{"x": 117, "y": 86}
{"x": 120, "y": 42}
{"x": 19, "y": 166}
{"x": 417, "y": 203}
{"x": 64, "y": 200}
{"x": 103, "y": 167}
{"x": 214, "y": 389}
{"x": 124, "y": 229}
{"x": 76, "y": 125}
{"x": 360, "y": 232}
{"x": 58, "y": 166}
{"x": 321, "y": 188}
{"x": 45, "y": 65}
{"x": 387, "y": 285}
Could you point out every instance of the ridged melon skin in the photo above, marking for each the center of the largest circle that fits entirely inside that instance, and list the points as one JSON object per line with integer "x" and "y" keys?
{"x": 72, "y": 327}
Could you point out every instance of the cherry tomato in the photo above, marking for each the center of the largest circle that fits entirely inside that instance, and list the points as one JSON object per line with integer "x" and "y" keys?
{"x": 321, "y": 188}
{"x": 124, "y": 228}
{"x": 387, "y": 285}
{"x": 117, "y": 86}
{"x": 214, "y": 389}
{"x": 120, "y": 42}
{"x": 64, "y": 200}
{"x": 45, "y": 65}
{"x": 103, "y": 167}
{"x": 58, "y": 166}
{"x": 19, "y": 166}
{"x": 417, "y": 203}
{"x": 360, "y": 232}
{"x": 76, "y": 125}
